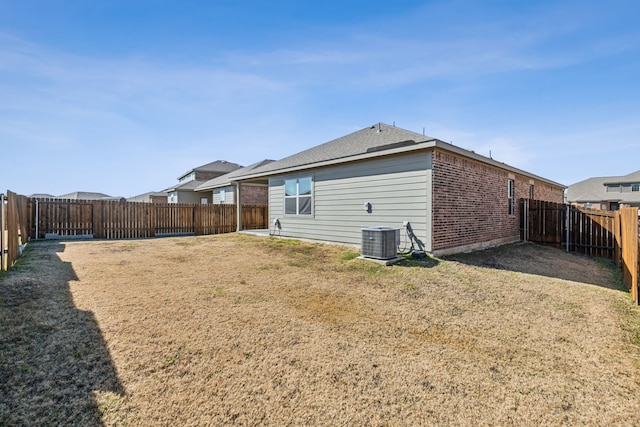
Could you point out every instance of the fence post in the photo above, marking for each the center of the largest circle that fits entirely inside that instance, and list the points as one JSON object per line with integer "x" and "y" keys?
{"x": 2, "y": 232}
{"x": 568, "y": 226}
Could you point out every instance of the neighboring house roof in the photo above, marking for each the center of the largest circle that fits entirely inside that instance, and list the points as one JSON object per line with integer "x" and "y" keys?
{"x": 632, "y": 178}
{"x": 217, "y": 166}
{"x": 86, "y": 195}
{"x": 186, "y": 186}
{"x": 226, "y": 180}
{"x": 147, "y": 196}
{"x": 595, "y": 189}
{"x": 374, "y": 141}
{"x": 42, "y": 196}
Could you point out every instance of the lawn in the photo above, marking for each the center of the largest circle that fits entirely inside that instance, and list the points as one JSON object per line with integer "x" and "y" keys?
{"x": 244, "y": 330}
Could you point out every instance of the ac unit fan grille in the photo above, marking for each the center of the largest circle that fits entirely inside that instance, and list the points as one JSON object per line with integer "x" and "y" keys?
{"x": 380, "y": 242}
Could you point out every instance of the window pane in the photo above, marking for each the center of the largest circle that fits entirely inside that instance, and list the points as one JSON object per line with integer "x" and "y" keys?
{"x": 290, "y": 206}
{"x": 290, "y": 187}
{"x": 304, "y": 186}
{"x": 305, "y": 205}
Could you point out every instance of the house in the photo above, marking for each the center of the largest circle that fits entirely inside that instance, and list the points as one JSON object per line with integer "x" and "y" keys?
{"x": 150, "y": 197}
{"x": 86, "y": 195}
{"x": 185, "y": 190}
{"x": 222, "y": 189}
{"x": 454, "y": 199}
{"x": 606, "y": 193}
{"x": 42, "y": 196}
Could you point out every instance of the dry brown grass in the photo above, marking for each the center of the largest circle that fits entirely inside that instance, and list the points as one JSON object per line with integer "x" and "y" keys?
{"x": 234, "y": 329}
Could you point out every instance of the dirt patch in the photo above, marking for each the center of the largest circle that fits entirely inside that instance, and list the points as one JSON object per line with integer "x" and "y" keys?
{"x": 234, "y": 329}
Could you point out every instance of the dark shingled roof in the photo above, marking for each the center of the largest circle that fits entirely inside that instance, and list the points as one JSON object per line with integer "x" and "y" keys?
{"x": 595, "y": 190}
{"x": 85, "y": 195}
{"x": 217, "y": 166}
{"x": 184, "y": 186}
{"x": 378, "y": 137}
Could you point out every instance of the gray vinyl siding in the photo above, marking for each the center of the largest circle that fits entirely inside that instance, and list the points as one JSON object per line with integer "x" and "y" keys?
{"x": 397, "y": 187}
{"x": 229, "y": 196}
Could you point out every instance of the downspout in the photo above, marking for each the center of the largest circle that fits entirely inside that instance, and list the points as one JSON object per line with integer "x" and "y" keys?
{"x": 239, "y": 207}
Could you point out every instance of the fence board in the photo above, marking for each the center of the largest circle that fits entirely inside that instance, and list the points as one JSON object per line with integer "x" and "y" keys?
{"x": 629, "y": 232}
{"x": 14, "y": 228}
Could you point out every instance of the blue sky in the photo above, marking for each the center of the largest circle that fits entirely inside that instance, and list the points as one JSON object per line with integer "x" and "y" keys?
{"x": 122, "y": 97}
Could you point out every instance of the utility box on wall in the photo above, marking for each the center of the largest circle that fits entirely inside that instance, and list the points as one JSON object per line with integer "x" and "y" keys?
{"x": 380, "y": 242}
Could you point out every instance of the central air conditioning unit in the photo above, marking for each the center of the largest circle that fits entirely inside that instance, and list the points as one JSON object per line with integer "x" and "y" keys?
{"x": 380, "y": 242}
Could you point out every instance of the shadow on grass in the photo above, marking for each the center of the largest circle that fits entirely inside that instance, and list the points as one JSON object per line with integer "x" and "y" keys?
{"x": 425, "y": 262}
{"x": 53, "y": 358}
{"x": 546, "y": 261}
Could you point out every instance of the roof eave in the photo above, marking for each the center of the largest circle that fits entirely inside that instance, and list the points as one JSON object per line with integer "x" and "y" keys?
{"x": 212, "y": 187}
{"x": 470, "y": 154}
{"x": 426, "y": 145}
{"x": 341, "y": 160}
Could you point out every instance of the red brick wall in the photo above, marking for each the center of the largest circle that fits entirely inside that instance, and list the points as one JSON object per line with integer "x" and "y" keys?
{"x": 255, "y": 195}
{"x": 470, "y": 202}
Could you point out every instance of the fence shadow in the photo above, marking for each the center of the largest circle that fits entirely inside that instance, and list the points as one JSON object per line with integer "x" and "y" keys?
{"x": 53, "y": 358}
{"x": 531, "y": 258}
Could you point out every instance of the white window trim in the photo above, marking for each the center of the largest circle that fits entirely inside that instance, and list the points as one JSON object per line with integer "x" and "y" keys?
{"x": 511, "y": 183}
{"x": 297, "y": 196}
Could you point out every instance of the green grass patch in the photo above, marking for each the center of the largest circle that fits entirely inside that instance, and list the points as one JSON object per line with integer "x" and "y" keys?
{"x": 348, "y": 256}
{"x": 629, "y": 319}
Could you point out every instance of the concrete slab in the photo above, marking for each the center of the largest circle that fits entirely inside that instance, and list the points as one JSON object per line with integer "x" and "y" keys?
{"x": 385, "y": 262}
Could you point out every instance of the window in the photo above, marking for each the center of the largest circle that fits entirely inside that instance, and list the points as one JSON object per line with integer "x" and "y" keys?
{"x": 189, "y": 177}
{"x": 531, "y": 191}
{"x": 635, "y": 187}
{"x": 222, "y": 196}
{"x": 510, "y": 190}
{"x": 297, "y": 196}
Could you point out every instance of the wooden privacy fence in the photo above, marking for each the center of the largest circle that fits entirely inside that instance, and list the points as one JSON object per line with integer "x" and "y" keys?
{"x": 23, "y": 218}
{"x": 608, "y": 234}
{"x": 14, "y": 228}
{"x": 129, "y": 220}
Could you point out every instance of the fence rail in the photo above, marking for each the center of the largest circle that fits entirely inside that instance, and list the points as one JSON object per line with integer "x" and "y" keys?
{"x": 23, "y": 218}
{"x": 607, "y": 234}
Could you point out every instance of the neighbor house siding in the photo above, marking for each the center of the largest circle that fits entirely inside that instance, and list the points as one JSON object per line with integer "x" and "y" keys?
{"x": 229, "y": 195}
{"x": 471, "y": 205}
{"x": 395, "y": 186}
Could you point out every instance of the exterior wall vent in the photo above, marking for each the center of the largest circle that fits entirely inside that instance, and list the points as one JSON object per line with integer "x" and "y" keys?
{"x": 380, "y": 242}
